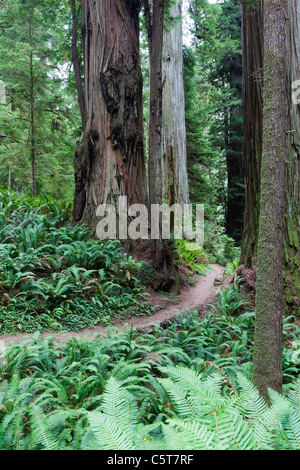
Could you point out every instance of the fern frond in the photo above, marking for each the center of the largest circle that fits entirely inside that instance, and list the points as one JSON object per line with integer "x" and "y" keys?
{"x": 41, "y": 436}
{"x": 292, "y": 430}
{"x": 193, "y": 434}
{"x": 203, "y": 397}
{"x": 12, "y": 429}
{"x": 178, "y": 395}
{"x": 109, "y": 436}
{"x": 172, "y": 439}
{"x": 233, "y": 432}
{"x": 285, "y": 421}
{"x": 119, "y": 405}
{"x": 251, "y": 404}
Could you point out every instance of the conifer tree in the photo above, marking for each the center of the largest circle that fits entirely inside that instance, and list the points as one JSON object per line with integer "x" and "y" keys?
{"x": 267, "y": 357}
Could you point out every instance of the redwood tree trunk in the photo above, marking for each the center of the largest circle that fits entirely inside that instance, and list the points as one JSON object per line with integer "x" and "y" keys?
{"x": 252, "y": 28}
{"x": 161, "y": 251}
{"x": 155, "y": 24}
{"x": 292, "y": 169}
{"x": 267, "y": 356}
{"x": 234, "y": 155}
{"x": 253, "y": 105}
{"x": 155, "y": 36}
{"x": 110, "y": 160}
{"x": 174, "y": 156}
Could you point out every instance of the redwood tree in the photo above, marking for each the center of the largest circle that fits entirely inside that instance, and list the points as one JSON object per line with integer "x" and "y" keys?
{"x": 253, "y": 56}
{"x": 252, "y": 106}
{"x": 154, "y": 17}
{"x": 109, "y": 162}
{"x": 232, "y": 67}
{"x": 174, "y": 155}
{"x": 161, "y": 251}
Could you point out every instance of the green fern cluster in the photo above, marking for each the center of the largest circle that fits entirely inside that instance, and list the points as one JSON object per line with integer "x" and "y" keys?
{"x": 206, "y": 418}
{"x": 185, "y": 386}
{"x": 52, "y": 275}
{"x": 193, "y": 255}
{"x": 182, "y": 386}
{"x": 52, "y": 401}
{"x": 232, "y": 300}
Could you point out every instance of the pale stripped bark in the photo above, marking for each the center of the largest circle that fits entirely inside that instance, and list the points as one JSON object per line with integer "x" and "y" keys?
{"x": 174, "y": 155}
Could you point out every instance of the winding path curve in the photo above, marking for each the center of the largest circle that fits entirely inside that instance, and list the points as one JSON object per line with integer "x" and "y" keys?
{"x": 192, "y": 298}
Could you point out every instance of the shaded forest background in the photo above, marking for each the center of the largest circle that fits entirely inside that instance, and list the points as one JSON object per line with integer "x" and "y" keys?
{"x": 102, "y": 99}
{"x": 40, "y": 116}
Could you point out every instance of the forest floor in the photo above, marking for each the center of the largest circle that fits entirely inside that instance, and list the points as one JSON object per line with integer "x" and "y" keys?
{"x": 195, "y": 297}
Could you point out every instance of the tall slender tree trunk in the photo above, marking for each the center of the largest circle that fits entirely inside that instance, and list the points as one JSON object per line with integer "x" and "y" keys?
{"x": 267, "y": 358}
{"x": 156, "y": 86}
{"x": 76, "y": 64}
{"x": 10, "y": 180}
{"x": 234, "y": 155}
{"x": 174, "y": 155}
{"x": 110, "y": 160}
{"x": 252, "y": 29}
{"x": 32, "y": 114}
{"x": 155, "y": 25}
{"x": 161, "y": 251}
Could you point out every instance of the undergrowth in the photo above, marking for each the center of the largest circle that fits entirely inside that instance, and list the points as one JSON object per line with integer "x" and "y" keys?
{"x": 185, "y": 385}
{"x": 54, "y": 276}
{"x": 182, "y": 385}
{"x": 193, "y": 255}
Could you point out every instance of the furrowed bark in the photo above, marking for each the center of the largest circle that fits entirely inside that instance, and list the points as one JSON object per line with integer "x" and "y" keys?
{"x": 252, "y": 27}
{"x": 253, "y": 104}
{"x": 267, "y": 355}
{"x": 110, "y": 161}
{"x": 161, "y": 251}
{"x": 155, "y": 24}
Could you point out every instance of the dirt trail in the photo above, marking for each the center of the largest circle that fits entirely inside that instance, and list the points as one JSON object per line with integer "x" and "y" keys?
{"x": 192, "y": 298}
